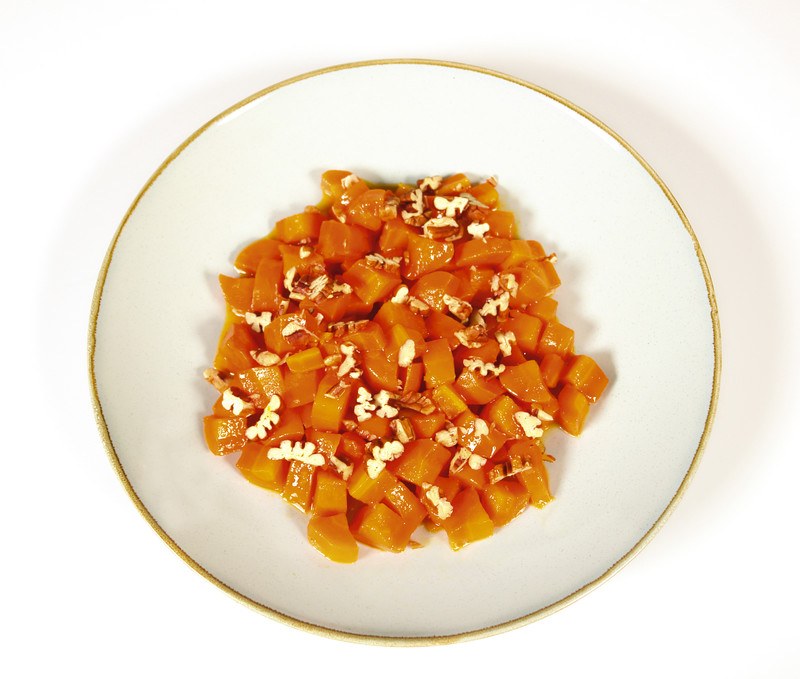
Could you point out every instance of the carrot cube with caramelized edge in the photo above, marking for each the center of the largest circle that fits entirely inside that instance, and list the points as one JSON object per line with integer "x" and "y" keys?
{"x": 372, "y": 282}
{"x": 556, "y": 339}
{"x": 426, "y": 255}
{"x": 299, "y": 487}
{"x": 379, "y": 527}
{"x": 573, "y": 407}
{"x": 504, "y": 500}
{"x": 238, "y": 293}
{"x": 224, "y": 435}
{"x": 330, "y": 403}
{"x": 369, "y": 490}
{"x": 299, "y": 227}
{"x": 331, "y": 536}
{"x": 258, "y": 469}
{"x": 248, "y": 259}
{"x": 330, "y": 494}
{"x": 448, "y": 400}
{"x": 438, "y": 362}
{"x": 338, "y": 242}
{"x": 469, "y": 521}
{"x": 586, "y": 376}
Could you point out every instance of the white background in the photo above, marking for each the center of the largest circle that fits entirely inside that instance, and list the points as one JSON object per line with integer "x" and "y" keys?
{"x": 95, "y": 95}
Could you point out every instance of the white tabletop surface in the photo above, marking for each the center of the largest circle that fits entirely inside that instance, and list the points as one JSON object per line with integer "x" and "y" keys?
{"x": 95, "y": 95}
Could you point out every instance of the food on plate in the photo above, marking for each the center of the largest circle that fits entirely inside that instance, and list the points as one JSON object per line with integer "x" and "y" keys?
{"x": 391, "y": 359}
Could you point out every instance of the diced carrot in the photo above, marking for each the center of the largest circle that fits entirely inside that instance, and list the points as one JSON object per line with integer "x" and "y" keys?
{"x": 330, "y": 494}
{"x": 552, "y": 367}
{"x": 487, "y": 194}
{"x": 303, "y": 361}
{"x": 268, "y": 286}
{"x": 257, "y": 468}
{"x": 448, "y": 400}
{"x": 338, "y": 242}
{"x": 238, "y": 292}
{"x": 278, "y": 343}
{"x": 425, "y": 426}
{"x": 477, "y": 389}
{"x": 309, "y": 263}
{"x": 432, "y": 287}
{"x": 289, "y": 428}
{"x": 233, "y": 353}
{"x": 426, "y": 255}
{"x": 500, "y": 413}
{"x": 454, "y": 185}
{"x": 586, "y": 376}
{"x": 545, "y": 308}
{"x": 330, "y": 403}
{"x": 502, "y": 224}
{"x": 525, "y": 382}
{"x": 556, "y": 339}
{"x": 379, "y": 527}
{"x": 421, "y": 462}
{"x": 486, "y": 352}
{"x": 573, "y": 407}
{"x": 224, "y": 435}
{"x": 299, "y": 487}
{"x": 248, "y": 259}
{"x": 527, "y": 330}
{"x": 474, "y": 283}
{"x": 369, "y": 490}
{"x": 391, "y": 314}
{"x": 300, "y": 388}
{"x": 331, "y": 536}
{"x": 394, "y": 237}
{"x": 331, "y": 183}
{"x": 380, "y": 372}
{"x": 479, "y": 252}
{"x": 504, "y": 500}
{"x": 261, "y": 383}
{"x": 469, "y": 522}
{"x": 370, "y": 283}
{"x": 299, "y": 227}
{"x": 442, "y": 326}
{"x": 438, "y": 362}
{"x": 366, "y": 209}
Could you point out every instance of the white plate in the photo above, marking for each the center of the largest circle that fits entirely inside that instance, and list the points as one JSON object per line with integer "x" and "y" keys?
{"x": 635, "y": 289}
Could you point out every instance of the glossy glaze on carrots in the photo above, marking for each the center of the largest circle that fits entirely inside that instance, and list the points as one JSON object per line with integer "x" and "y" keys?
{"x": 393, "y": 359}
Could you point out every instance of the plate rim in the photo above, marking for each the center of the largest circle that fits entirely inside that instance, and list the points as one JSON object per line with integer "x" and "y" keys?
{"x": 404, "y": 640}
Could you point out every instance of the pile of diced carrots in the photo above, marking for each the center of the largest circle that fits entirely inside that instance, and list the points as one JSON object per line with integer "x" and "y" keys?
{"x": 392, "y": 358}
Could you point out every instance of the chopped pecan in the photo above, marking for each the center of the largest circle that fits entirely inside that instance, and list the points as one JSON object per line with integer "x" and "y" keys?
{"x": 509, "y": 467}
{"x": 416, "y": 401}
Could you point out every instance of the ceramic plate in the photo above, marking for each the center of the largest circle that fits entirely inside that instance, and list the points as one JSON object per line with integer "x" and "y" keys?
{"x": 635, "y": 289}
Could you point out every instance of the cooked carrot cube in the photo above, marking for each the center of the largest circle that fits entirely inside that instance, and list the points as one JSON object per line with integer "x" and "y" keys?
{"x": 299, "y": 487}
{"x": 421, "y": 462}
{"x": 248, "y": 259}
{"x": 406, "y": 504}
{"x": 369, "y": 490}
{"x": 469, "y": 522}
{"x": 379, "y": 527}
{"x": 448, "y": 400}
{"x": 371, "y": 284}
{"x": 338, "y": 242}
{"x": 261, "y": 383}
{"x": 303, "y": 361}
{"x": 432, "y": 287}
{"x": 299, "y": 227}
{"x": 330, "y": 494}
{"x": 257, "y": 468}
{"x": 426, "y": 255}
{"x": 471, "y": 478}
{"x": 300, "y": 388}
{"x": 486, "y": 352}
{"x": 454, "y": 185}
{"x": 442, "y": 326}
{"x": 330, "y": 403}
{"x": 425, "y": 426}
{"x": 289, "y": 428}
{"x": 412, "y": 379}
{"x": 233, "y": 354}
{"x": 379, "y": 371}
{"x": 500, "y": 413}
{"x": 487, "y": 194}
{"x": 331, "y": 183}
{"x": 502, "y": 224}
{"x": 477, "y": 389}
{"x": 367, "y": 208}
{"x": 268, "y": 286}
{"x": 525, "y": 382}
{"x": 573, "y": 407}
{"x": 238, "y": 293}
{"x": 527, "y": 330}
{"x": 477, "y": 252}
{"x": 224, "y": 435}
{"x": 394, "y": 238}
{"x": 474, "y": 282}
{"x": 552, "y": 367}
{"x": 545, "y": 308}
{"x": 556, "y": 339}
{"x": 438, "y": 362}
{"x": 505, "y": 500}
{"x": 331, "y": 536}
{"x": 391, "y": 314}
{"x": 586, "y": 376}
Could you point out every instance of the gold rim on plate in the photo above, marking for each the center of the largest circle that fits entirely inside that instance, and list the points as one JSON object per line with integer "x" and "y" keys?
{"x": 376, "y": 639}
